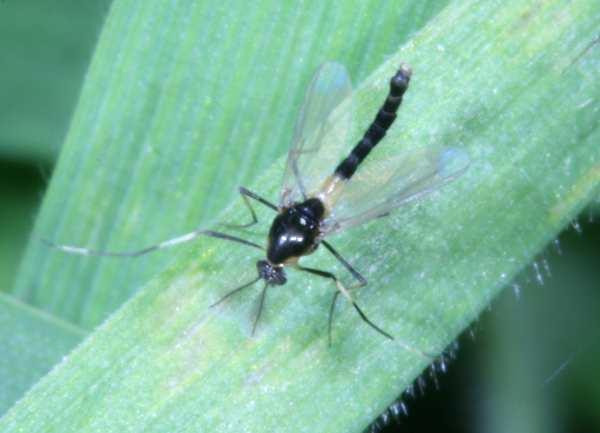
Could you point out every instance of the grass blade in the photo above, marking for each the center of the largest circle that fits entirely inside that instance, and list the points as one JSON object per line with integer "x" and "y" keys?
{"x": 31, "y": 343}
{"x": 488, "y": 76}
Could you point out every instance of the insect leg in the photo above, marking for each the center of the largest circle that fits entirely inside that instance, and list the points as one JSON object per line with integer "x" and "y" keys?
{"x": 362, "y": 281}
{"x": 330, "y": 318}
{"x": 233, "y": 292}
{"x": 345, "y": 292}
{"x": 72, "y": 249}
{"x": 363, "y": 316}
{"x": 246, "y": 193}
{"x": 261, "y": 303}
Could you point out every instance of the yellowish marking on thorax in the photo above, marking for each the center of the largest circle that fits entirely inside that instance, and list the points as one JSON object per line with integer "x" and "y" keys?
{"x": 330, "y": 191}
{"x": 289, "y": 262}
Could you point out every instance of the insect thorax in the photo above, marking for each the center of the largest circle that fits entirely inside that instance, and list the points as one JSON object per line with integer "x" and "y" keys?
{"x": 294, "y": 231}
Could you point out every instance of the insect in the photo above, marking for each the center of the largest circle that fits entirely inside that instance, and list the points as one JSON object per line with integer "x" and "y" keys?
{"x": 312, "y": 206}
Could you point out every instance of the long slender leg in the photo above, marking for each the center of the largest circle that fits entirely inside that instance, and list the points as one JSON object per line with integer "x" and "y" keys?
{"x": 72, "y": 249}
{"x": 330, "y": 318}
{"x": 246, "y": 194}
{"x": 234, "y": 291}
{"x": 252, "y": 215}
{"x": 255, "y": 196}
{"x": 362, "y": 281}
{"x": 345, "y": 292}
{"x": 363, "y": 316}
{"x": 261, "y": 303}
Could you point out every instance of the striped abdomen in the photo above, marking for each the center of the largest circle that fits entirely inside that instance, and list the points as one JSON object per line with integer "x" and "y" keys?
{"x": 376, "y": 131}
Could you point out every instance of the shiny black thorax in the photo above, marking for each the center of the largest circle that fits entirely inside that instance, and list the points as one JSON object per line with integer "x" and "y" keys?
{"x": 295, "y": 231}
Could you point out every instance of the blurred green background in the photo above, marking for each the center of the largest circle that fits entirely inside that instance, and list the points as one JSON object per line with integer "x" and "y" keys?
{"x": 45, "y": 48}
{"x": 532, "y": 363}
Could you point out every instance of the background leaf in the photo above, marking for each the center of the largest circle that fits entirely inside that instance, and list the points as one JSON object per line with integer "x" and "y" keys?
{"x": 20, "y": 187}
{"x": 448, "y": 260}
{"x": 45, "y": 49}
{"x": 32, "y": 342}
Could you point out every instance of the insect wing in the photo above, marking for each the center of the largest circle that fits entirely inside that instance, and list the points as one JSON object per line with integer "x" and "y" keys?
{"x": 382, "y": 186}
{"x": 320, "y": 133}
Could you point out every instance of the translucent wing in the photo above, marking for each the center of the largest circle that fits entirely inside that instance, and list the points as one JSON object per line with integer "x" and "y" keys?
{"x": 320, "y": 134}
{"x": 381, "y": 186}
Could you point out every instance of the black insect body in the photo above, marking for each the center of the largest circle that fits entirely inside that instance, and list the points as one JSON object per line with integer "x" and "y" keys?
{"x": 310, "y": 207}
{"x": 384, "y": 119}
{"x": 295, "y": 232}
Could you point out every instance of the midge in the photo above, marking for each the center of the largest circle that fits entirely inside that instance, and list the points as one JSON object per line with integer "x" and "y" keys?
{"x": 312, "y": 205}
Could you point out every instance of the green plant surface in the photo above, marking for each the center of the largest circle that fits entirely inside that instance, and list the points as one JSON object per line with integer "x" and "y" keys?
{"x": 177, "y": 113}
{"x": 514, "y": 83}
{"x": 32, "y": 343}
{"x": 45, "y": 48}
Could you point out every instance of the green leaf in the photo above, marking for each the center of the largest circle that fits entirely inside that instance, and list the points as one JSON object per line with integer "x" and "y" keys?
{"x": 182, "y": 105}
{"x": 45, "y": 48}
{"x": 31, "y": 343}
{"x": 512, "y": 82}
